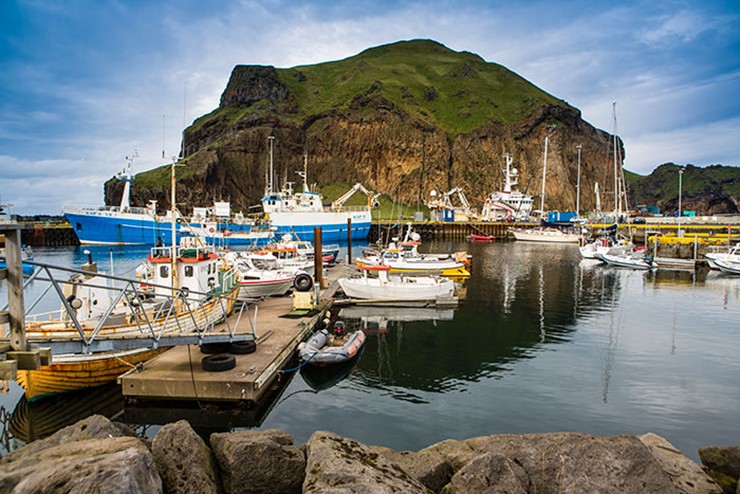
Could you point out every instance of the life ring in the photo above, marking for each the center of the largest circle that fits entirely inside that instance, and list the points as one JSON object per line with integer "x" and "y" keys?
{"x": 217, "y": 363}
{"x": 290, "y": 207}
{"x": 211, "y": 229}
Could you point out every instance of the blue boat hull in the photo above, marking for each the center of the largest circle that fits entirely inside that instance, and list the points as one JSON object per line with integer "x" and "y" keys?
{"x": 27, "y": 268}
{"x": 329, "y": 233}
{"x": 112, "y": 230}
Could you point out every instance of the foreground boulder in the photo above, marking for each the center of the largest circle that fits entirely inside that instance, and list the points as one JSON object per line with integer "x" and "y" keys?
{"x": 93, "y": 455}
{"x": 259, "y": 462}
{"x": 184, "y": 461}
{"x": 723, "y": 465}
{"x": 338, "y": 464}
{"x": 112, "y": 465}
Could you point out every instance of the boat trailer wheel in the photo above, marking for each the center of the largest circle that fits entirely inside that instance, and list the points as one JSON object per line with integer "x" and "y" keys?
{"x": 218, "y": 363}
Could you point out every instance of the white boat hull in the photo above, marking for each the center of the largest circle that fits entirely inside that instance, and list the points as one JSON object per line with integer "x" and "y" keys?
{"x": 548, "y": 236}
{"x": 265, "y": 288}
{"x": 398, "y": 288}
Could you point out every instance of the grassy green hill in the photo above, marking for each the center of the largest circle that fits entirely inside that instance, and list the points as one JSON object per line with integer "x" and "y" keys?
{"x": 422, "y": 77}
{"x": 702, "y": 189}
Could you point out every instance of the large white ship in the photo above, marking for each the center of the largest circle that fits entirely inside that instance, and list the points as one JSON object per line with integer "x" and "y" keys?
{"x": 508, "y": 204}
{"x": 298, "y": 213}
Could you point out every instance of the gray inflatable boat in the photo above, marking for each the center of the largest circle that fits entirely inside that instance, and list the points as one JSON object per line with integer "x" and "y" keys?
{"x": 319, "y": 350}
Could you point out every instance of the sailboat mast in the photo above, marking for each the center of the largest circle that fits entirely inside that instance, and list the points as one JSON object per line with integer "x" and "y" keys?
{"x": 617, "y": 205}
{"x": 173, "y": 256}
{"x": 270, "y": 189}
{"x": 578, "y": 184}
{"x": 544, "y": 173}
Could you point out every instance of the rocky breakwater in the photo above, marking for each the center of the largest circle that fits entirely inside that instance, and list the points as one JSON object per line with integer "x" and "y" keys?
{"x": 96, "y": 455}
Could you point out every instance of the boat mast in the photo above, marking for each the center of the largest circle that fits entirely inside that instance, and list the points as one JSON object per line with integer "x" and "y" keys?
{"x": 578, "y": 184}
{"x": 127, "y": 178}
{"x": 270, "y": 189}
{"x": 544, "y": 172}
{"x": 173, "y": 256}
{"x": 617, "y": 202}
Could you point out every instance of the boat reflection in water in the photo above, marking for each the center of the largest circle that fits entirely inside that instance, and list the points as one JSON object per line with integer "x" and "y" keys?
{"x": 373, "y": 319}
{"x": 37, "y": 419}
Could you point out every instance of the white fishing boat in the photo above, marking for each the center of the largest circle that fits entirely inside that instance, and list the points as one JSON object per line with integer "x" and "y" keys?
{"x": 404, "y": 257}
{"x": 603, "y": 241}
{"x": 261, "y": 275}
{"x": 633, "y": 259}
{"x": 220, "y": 235}
{"x": 732, "y": 254}
{"x": 727, "y": 265}
{"x": 395, "y": 287}
{"x": 300, "y": 212}
{"x": 509, "y": 204}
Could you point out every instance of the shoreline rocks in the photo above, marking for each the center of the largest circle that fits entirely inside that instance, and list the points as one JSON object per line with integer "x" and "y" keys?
{"x": 98, "y": 455}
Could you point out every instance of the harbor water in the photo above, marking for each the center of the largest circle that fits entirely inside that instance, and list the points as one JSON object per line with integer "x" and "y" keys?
{"x": 543, "y": 342}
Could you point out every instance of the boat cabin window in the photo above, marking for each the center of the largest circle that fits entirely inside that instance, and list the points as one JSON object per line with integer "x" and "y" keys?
{"x": 164, "y": 271}
{"x": 189, "y": 271}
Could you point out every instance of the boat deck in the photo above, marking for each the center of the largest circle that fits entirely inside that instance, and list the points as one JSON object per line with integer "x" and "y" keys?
{"x": 177, "y": 374}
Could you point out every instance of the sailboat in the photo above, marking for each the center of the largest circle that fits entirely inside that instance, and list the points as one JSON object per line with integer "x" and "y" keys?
{"x": 546, "y": 234}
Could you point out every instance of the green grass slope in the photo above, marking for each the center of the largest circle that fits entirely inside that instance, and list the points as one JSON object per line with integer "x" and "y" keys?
{"x": 455, "y": 91}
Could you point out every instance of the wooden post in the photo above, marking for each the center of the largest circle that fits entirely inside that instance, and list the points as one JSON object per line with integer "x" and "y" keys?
{"x": 16, "y": 309}
{"x": 318, "y": 258}
{"x": 349, "y": 240}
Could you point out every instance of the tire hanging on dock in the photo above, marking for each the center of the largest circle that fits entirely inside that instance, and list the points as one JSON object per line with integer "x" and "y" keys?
{"x": 303, "y": 282}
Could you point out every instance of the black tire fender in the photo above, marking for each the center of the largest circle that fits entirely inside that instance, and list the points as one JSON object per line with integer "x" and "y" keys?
{"x": 242, "y": 347}
{"x": 218, "y": 347}
{"x": 219, "y": 362}
{"x": 303, "y": 282}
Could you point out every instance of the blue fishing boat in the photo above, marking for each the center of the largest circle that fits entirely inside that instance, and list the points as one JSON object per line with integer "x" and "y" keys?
{"x": 119, "y": 225}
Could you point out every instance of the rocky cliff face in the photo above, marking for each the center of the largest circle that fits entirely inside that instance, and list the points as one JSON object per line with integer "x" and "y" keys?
{"x": 389, "y": 136}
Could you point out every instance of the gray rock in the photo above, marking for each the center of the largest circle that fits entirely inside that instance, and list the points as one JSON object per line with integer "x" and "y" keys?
{"x": 336, "y": 464}
{"x": 184, "y": 461}
{"x": 490, "y": 473}
{"x": 259, "y": 462}
{"x": 93, "y": 427}
{"x": 429, "y": 467}
{"x": 686, "y": 475}
{"x": 112, "y": 465}
{"x": 723, "y": 465}
{"x": 575, "y": 463}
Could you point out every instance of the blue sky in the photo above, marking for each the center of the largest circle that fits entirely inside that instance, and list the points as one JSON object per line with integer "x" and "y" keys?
{"x": 85, "y": 82}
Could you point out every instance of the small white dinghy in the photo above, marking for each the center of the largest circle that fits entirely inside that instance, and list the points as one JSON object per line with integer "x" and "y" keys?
{"x": 396, "y": 286}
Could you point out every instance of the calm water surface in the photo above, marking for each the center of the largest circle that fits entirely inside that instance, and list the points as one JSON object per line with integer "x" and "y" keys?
{"x": 544, "y": 342}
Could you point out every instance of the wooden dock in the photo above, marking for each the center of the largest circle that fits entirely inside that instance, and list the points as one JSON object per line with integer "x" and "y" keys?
{"x": 177, "y": 374}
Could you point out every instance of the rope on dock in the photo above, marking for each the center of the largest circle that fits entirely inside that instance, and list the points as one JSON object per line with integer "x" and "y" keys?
{"x": 296, "y": 368}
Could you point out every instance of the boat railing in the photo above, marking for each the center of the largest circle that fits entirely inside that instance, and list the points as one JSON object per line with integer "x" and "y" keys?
{"x": 134, "y": 318}
{"x": 352, "y": 209}
{"x": 74, "y": 208}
